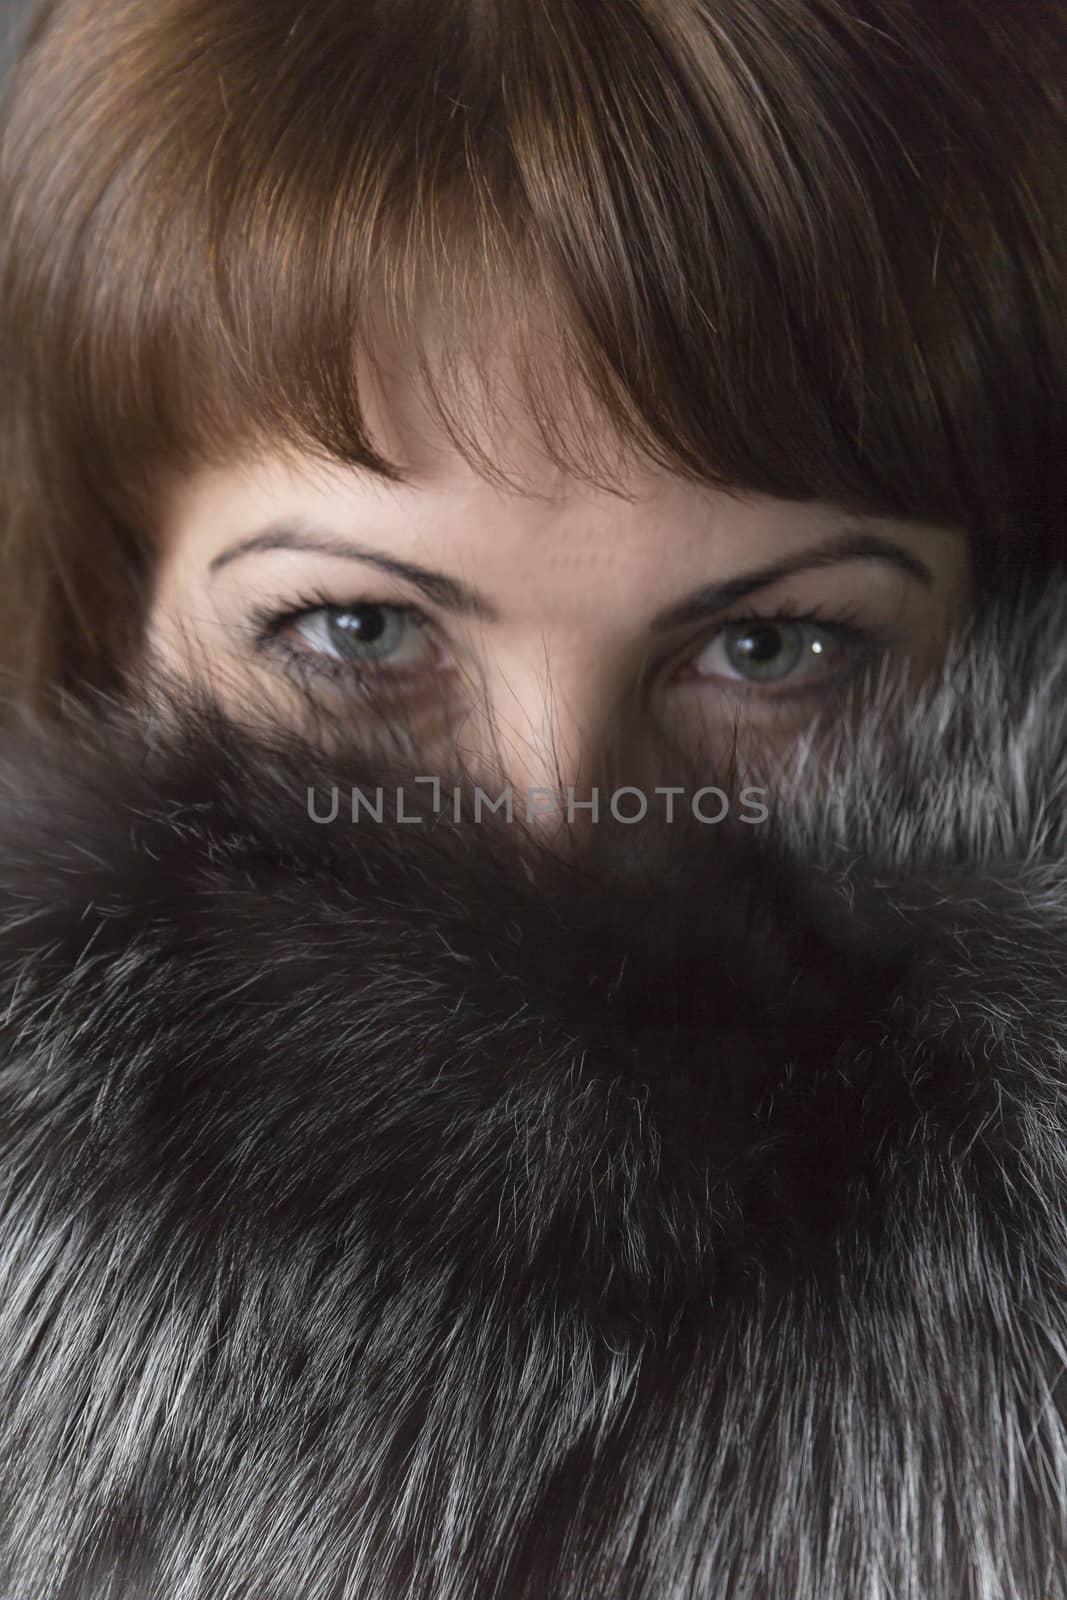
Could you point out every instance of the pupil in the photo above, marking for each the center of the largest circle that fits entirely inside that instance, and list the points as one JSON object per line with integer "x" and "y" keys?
{"x": 364, "y": 626}
{"x": 761, "y": 643}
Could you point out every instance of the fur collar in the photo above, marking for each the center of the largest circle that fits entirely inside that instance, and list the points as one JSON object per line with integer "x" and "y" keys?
{"x": 386, "y": 1211}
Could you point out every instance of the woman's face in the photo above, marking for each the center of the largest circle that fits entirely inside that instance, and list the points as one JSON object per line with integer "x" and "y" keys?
{"x": 530, "y": 629}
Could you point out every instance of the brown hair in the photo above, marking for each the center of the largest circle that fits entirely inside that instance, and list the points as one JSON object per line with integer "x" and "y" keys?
{"x": 805, "y": 247}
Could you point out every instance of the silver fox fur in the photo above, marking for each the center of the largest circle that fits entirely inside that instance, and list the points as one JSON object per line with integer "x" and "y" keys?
{"x": 402, "y": 1212}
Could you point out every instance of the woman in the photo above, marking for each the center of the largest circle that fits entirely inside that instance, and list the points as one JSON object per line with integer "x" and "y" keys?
{"x": 463, "y": 421}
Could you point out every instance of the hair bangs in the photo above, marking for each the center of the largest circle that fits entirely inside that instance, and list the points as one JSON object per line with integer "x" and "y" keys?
{"x": 658, "y": 213}
{"x": 766, "y": 246}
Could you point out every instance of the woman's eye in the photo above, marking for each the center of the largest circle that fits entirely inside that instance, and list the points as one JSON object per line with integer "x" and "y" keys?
{"x": 366, "y": 636}
{"x": 769, "y": 650}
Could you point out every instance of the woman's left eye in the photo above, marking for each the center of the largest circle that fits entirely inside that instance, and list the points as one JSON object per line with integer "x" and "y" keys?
{"x": 773, "y": 650}
{"x": 376, "y": 636}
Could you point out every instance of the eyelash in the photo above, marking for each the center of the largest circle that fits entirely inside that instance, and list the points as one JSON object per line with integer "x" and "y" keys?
{"x": 863, "y": 641}
{"x": 269, "y": 624}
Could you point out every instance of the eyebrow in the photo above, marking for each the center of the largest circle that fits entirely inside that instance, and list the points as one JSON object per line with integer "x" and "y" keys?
{"x": 848, "y": 544}
{"x": 444, "y": 591}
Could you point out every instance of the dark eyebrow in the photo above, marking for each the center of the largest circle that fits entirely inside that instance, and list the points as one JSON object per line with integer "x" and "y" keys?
{"x": 848, "y": 544}
{"x": 443, "y": 591}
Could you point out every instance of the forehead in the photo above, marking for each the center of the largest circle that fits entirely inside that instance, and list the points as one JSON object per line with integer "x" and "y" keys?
{"x": 529, "y": 535}
{"x": 501, "y": 474}
{"x": 458, "y": 388}
{"x": 577, "y": 558}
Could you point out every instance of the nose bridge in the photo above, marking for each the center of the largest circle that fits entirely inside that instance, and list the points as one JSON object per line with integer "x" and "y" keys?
{"x": 551, "y": 718}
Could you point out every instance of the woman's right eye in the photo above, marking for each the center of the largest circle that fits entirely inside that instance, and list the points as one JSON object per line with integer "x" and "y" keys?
{"x": 372, "y": 636}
